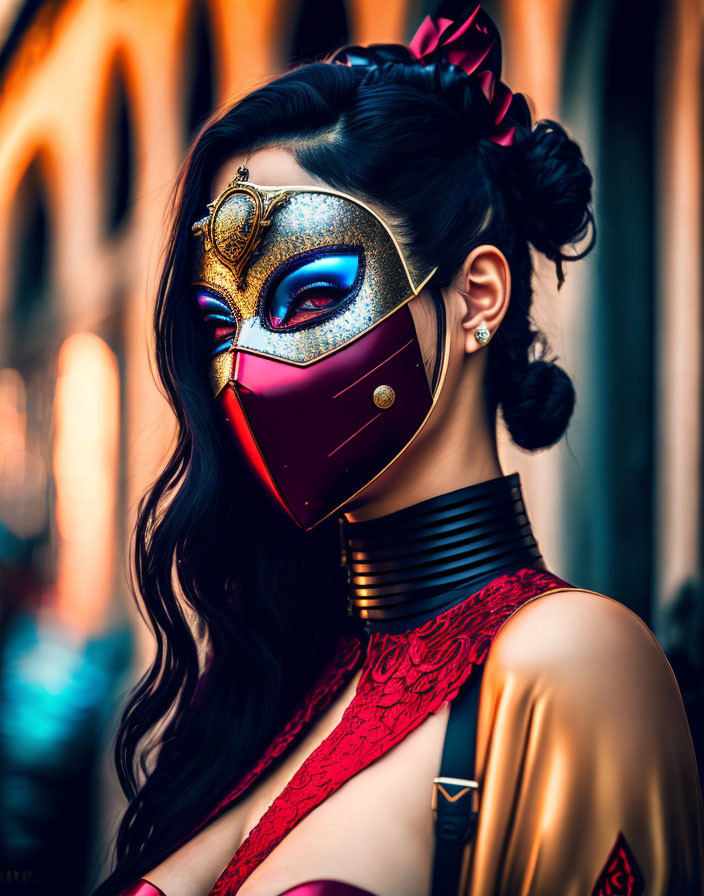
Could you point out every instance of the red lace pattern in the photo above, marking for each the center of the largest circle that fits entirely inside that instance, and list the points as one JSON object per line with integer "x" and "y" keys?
{"x": 405, "y": 677}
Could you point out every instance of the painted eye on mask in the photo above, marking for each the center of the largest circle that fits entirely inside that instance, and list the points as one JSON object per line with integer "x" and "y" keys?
{"x": 313, "y": 288}
{"x": 219, "y": 320}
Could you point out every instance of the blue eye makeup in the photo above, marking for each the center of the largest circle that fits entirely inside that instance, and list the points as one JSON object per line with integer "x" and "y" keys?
{"x": 219, "y": 320}
{"x": 312, "y": 286}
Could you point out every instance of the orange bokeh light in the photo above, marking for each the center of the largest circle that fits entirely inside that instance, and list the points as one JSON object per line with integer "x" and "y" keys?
{"x": 85, "y": 472}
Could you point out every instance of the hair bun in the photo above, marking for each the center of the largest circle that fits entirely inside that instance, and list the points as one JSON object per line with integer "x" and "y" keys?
{"x": 554, "y": 188}
{"x": 539, "y": 404}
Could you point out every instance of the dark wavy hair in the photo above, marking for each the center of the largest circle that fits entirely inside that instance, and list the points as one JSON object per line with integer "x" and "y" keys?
{"x": 244, "y": 606}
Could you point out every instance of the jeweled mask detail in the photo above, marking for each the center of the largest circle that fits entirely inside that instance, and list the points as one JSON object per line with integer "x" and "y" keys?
{"x": 294, "y": 273}
{"x": 236, "y": 224}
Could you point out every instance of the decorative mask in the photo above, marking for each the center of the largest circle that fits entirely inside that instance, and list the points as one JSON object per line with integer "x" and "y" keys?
{"x": 315, "y": 357}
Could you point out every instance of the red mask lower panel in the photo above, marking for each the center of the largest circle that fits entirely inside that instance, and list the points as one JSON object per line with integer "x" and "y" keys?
{"x": 314, "y": 434}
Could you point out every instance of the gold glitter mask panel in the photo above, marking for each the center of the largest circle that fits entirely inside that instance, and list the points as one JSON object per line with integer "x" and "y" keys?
{"x": 295, "y": 273}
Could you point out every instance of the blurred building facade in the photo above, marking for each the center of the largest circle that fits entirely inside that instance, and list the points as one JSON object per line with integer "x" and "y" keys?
{"x": 98, "y": 102}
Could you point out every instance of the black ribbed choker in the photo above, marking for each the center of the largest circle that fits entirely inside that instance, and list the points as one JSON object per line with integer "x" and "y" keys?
{"x": 416, "y": 562}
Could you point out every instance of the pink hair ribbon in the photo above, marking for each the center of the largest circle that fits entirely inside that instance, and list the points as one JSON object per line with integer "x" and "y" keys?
{"x": 467, "y": 47}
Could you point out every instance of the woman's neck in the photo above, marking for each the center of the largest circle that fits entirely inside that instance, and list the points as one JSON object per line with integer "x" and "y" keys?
{"x": 409, "y": 565}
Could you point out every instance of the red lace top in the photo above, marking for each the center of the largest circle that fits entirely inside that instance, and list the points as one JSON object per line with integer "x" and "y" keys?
{"x": 404, "y": 678}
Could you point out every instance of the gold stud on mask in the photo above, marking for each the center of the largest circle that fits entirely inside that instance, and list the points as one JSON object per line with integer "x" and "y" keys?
{"x": 383, "y": 397}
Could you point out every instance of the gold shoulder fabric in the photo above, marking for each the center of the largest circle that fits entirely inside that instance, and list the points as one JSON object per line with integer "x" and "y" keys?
{"x": 582, "y": 736}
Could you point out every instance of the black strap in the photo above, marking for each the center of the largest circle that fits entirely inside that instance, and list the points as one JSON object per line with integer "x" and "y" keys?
{"x": 455, "y": 800}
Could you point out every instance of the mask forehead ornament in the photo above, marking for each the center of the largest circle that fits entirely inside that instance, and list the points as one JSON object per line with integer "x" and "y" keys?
{"x": 315, "y": 358}
{"x": 236, "y": 223}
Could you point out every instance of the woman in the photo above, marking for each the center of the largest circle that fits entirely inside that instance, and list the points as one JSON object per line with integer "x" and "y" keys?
{"x": 356, "y": 298}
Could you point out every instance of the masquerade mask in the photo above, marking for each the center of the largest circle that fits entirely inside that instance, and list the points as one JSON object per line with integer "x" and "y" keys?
{"x": 315, "y": 357}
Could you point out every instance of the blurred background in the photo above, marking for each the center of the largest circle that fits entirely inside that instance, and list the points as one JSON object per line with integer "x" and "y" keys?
{"x": 98, "y": 102}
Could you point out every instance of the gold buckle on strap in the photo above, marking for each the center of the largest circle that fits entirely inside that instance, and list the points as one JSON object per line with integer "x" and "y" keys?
{"x": 453, "y": 790}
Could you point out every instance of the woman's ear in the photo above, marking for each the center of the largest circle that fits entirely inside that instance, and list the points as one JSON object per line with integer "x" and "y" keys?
{"x": 482, "y": 287}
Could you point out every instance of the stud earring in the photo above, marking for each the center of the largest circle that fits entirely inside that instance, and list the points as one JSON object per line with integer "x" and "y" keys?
{"x": 482, "y": 334}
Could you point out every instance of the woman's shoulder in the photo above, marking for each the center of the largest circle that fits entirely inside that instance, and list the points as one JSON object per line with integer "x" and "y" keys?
{"x": 571, "y": 630}
{"x": 569, "y": 625}
{"x": 581, "y": 725}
